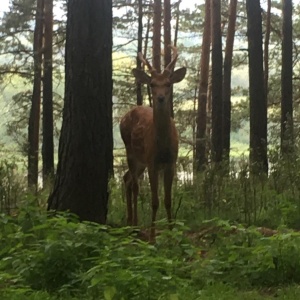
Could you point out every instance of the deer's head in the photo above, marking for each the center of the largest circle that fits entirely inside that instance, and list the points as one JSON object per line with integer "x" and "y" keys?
{"x": 160, "y": 83}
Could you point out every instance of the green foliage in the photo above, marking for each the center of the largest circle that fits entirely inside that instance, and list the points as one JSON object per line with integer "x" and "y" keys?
{"x": 46, "y": 257}
{"x": 244, "y": 257}
{"x": 11, "y": 186}
{"x": 62, "y": 256}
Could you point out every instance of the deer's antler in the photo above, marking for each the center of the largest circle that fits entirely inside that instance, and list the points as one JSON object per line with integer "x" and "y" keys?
{"x": 146, "y": 62}
{"x": 169, "y": 68}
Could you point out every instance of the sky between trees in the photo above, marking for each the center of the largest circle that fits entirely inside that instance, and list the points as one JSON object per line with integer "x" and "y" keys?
{"x": 4, "y": 4}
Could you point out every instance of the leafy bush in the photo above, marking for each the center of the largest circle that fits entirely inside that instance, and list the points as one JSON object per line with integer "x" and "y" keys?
{"x": 244, "y": 257}
{"x": 46, "y": 257}
{"x": 62, "y": 256}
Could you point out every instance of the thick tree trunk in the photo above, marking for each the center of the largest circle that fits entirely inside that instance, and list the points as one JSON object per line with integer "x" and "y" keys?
{"x": 85, "y": 149}
{"x": 217, "y": 69}
{"x": 258, "y": 103}
{"x": 34, "y": 118}
{"x": 48, "y": 145}
{"x": 287, "y": 79}
{"x": 200, "y": 152}
{"x": 227, "y": 79}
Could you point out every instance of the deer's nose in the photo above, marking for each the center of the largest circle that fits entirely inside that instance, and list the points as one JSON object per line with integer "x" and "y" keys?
{"x": 161, "y": 98}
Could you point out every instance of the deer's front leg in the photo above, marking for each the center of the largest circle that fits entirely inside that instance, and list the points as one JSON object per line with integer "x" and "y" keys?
{"x": 168, "y": 182}
{"x": 153, "y": 178}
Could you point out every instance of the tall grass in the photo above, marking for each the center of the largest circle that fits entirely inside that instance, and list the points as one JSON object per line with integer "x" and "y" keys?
{"x": 270, "y": 201}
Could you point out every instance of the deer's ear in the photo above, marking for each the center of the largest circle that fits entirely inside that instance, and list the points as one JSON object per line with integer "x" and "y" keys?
{"x": 141, "y": 76}
{"x": 178, "y": 75}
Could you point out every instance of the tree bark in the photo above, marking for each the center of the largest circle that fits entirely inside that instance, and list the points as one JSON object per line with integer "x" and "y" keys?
{"x": 177, "y": 23}
{"x": 156, "y": 48}
{"x": 145, "y": 52}
{"x": 217, "y": 69}
{"x": 258, "y": 103}
{"x": 48, "y": 145}
{"x": 167, "y": 42}
{"x": 227, "y": 79}
{"x": 266, "y": 49}
{"x": 287, "y": 79}
{"x": 139, "y": 94}
{"x": 201, "y": 158}
{"x": 34, "y": 118}
{"x": 85, "y": 148}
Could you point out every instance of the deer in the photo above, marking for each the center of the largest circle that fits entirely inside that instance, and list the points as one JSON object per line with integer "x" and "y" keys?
{"x": 151, "y": 140}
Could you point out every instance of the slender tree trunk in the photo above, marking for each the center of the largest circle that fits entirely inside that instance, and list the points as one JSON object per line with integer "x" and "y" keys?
{"x": 177, "y": 23}
{"x": 85, "y": 148}
{"x": 201, "y": 158}
{"x": 34, "y": 118}
{"x": 287, "y": 79}
{"x": 167, "y": 42}
{"x": 139, "y": 94}
{"x": 217, "y": 69}
{"x": 167, "y": 32}
{"x": 157, "y": 35}
{"x": 227, "y": 79}
{"x": 258, "y": 103}
{"x": 194, "y": 122}
{"x": 208, "y": 115}
{"x": 146, "y": 50}
{"x": 48, "y": 145}
{"x": 266, "y": 49}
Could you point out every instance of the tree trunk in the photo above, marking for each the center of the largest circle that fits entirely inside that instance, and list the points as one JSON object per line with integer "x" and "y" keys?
{"x": 167, "y": 42}
{"x": 177, "y": 23}
{"x": 201, "y": 158}
{"x": 266, "y": 49}
{"x": 227, "y": 80}
{"x": 48, "y": 146}
{"x": 208, "y": 115}
{"x": 217, "y": 68}
{"x": 258, "y": 103}
{"x": 287, "y": 79}
{"x": 156, "y": 35}
{"x": 139, "y": 94}
{"x": 85, "y": 148}
{"x": 34, "y": 118}
{"x": 146, "y": 50}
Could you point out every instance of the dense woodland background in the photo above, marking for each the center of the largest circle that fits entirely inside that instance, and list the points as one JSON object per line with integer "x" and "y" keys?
{"x": 66, "y": 80}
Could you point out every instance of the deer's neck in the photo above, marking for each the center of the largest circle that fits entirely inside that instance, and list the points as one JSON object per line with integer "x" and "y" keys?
{"x": 162, "y": 135}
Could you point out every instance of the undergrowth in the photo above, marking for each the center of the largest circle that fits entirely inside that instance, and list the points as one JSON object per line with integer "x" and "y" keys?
{"x": 235, "y": 236}
{"x": 47, "y": 257}
{"x": 269, "y": 201}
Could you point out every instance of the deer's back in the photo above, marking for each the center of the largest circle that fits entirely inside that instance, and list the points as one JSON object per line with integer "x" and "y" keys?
{"x": 137, "y": 132}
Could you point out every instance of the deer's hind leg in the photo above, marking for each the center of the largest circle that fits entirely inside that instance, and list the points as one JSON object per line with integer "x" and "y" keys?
{"x": 132, "y": 190}
{"x": 136, "y": 191}
{"x": 128, "y": 191}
